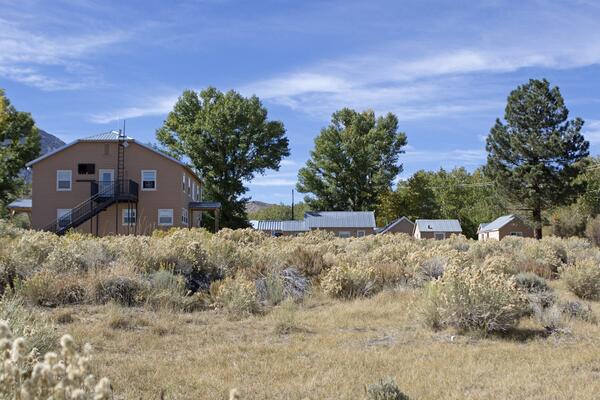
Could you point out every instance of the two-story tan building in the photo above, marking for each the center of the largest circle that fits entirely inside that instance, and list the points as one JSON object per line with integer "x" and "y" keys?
{"x": 113, "y": 184}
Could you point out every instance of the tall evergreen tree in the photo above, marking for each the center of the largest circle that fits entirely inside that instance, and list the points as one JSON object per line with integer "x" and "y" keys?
{"x": 535, "y": 156}
{"x": 19, "y": 143}
{"x": 354, "y": 161}
{"x": 229, "y": 139}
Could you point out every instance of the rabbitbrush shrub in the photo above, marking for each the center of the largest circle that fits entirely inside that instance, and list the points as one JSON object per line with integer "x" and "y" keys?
{"x": 583, "y": 278}
{"x": 237, "y": 296}
{"x": 472, "y": 298}
{"x": 348, "y": 281}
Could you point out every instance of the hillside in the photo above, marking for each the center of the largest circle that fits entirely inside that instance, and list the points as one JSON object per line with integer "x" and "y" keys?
{"x": 254, "y": 206}
{"x": 49, "y": 142}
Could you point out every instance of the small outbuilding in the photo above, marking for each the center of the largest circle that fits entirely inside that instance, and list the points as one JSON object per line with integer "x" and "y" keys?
{"x": 437, "y": 229}
{"x": 506, "y": 225}
{"x": 400, "y": 225}
{"x": 280, "y": 228}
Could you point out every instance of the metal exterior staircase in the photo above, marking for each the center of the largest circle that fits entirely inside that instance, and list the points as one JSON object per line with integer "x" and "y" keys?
{"x": 111, "y": 192}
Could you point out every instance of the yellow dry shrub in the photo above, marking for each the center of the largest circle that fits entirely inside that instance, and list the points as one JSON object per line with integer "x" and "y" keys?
{"x": 473, "y": 298}
{"x": 583, "y": 278}
{"x": 347, "y": 280}
{"x": 237, "y": 296}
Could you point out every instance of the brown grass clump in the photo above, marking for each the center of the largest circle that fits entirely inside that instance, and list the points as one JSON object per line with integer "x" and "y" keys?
{"x": 237, "y": 296}
{"x": 349, "y": 281}
{"x": 46, "y": 288}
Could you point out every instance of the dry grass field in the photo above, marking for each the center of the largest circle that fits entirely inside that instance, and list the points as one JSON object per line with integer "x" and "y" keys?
{"x": 327, "y": 349}
{"x": 186, "y": 314}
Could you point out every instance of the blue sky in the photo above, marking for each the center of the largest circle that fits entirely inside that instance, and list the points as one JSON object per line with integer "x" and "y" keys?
{"x": 444, "y": 68}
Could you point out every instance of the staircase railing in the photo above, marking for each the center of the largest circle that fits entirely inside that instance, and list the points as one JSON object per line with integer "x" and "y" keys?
{"x": 110, "y": 193}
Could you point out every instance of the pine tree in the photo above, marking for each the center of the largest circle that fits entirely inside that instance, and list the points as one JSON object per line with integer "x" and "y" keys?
{"x": 535, "y": 156}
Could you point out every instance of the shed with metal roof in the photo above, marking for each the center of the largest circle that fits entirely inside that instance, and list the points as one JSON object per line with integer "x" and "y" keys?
{"x": 436, "y": 228}
{"x": 506, "y": 225}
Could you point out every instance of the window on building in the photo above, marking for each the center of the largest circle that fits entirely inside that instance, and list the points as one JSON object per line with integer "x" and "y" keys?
{"x": 189, "y": 186}
{"x": 360, "y": 233}
{"x": 440, "y": 236}
{"x": 165, "y": 216}
{"x": 86, "y": 169}
{"x": 194, "y": 191}
{"x": 277, "y": 233}
{"x": 63, "y": 180}
{"x": 516, "y": 234}
{"x": 148, "y": 179}
{"x": 63, "y": 215}
{"x": 129, "y": 215}
{"x": 184, "y": 216}
{"x": 183, "y": 183}
{"x": 344, "y": 234}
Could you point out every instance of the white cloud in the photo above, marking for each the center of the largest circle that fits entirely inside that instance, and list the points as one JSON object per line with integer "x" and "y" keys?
{"x": 51, "y": 62}
{"x": 466, "y": 157}
{"x": 591, "y": 131}
{"x": 156, "y": 106}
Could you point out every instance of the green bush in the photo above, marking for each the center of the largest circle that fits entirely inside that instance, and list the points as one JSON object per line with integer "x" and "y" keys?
{"x": 583, "y": 278}
{"x": 385, "y": 390}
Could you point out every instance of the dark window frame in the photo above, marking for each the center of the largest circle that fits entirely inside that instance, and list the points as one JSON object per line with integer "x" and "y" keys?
{"x": 86, "y": 169}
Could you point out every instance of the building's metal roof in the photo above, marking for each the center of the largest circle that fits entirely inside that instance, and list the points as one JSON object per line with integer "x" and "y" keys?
{"x": 481, "y": 226}
{"x": 112, "y": 136}
{"x": 498, "y": 223}
{"x": 20, "y": 204}
{"x": 204, "y": 205}
{"x": 394, "y": 223}
{"x": 283, "y": 226}
{"x": 438, "y": 225}
{"x": 340, "y": 219}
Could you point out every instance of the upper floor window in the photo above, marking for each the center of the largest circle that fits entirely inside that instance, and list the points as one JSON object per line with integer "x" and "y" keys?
{"x": 189, "y": 186}
{"x": 149, "y": 179}
{"x": 165, "y": 216}
{"x": 63, "y": 180}
{"x": 183, "y": 183}
{"x": 86, "y": 169}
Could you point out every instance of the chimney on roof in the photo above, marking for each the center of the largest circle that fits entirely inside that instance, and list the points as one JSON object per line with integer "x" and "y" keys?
{"x": 429, "y": 227}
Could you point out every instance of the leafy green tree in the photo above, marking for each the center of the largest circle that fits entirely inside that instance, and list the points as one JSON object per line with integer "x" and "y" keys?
{"x": 279, "y": 212}
{"x": 413, "y": 199}
{"x": 455, "y": 194}
{"x": 535, "y": 156}
{"x": 228, "y": 139}
{"x": 19, "y": 144}
{"x": 354, "y": 161}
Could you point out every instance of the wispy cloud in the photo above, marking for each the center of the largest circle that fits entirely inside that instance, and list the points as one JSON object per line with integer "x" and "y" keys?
{"x": 156, "y": 105}
{"x": 591, "y": 131}
{"x": 51, "y": 62}
{"x": 465, "y": 157}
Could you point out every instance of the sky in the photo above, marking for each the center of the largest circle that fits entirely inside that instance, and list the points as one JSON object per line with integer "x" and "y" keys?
{"x": 445, "y": 68}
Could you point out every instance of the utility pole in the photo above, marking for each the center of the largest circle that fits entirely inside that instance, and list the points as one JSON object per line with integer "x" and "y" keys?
{"x": 292, "y": 204}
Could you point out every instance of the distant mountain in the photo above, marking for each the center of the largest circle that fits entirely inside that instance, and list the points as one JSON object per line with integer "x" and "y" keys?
{"x": 49, "y": 142}
{"x": 254, "y": 206}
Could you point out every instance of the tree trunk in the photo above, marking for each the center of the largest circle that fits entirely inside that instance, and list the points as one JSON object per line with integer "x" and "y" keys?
{"x": 537, "y": 220}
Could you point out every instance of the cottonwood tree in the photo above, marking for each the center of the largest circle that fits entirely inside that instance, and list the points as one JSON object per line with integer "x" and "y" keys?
{"x": 229, "y": 139}
{"x": 536, "y": 154}
{"x": 354, "y": 161}
{"x": 19, "y": 143}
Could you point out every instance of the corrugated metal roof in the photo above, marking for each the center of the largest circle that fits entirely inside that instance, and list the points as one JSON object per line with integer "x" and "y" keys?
{"x": 498, "y": 223}
{"x": 283, "y": 226}
{"x": 481, "y": 226}
{"x": 20, "y": 203}
{"x": 112, "y": 136}
{"x": 393, "y": 223}
{"x": 340, "y": 219}
{"x": 438, "y": 225}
